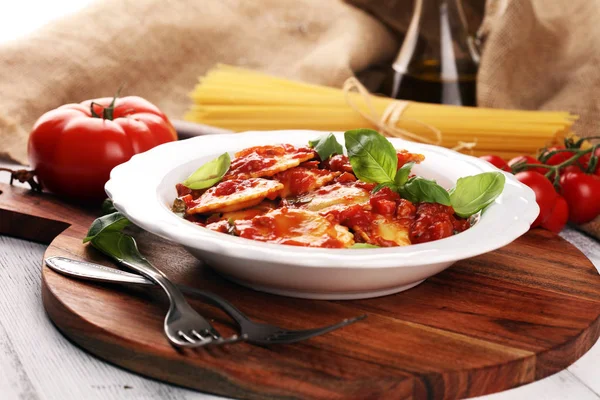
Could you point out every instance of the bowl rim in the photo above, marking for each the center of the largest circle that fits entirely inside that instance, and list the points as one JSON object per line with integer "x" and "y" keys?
{"x": 157, "y": 218}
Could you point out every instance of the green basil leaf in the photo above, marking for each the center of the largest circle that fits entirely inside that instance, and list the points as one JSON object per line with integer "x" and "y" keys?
{"x": 372, "y": 156}
{"x": 118, "y": 246}
{"x": 326, "y": 146}
{"x": 402, "y": 174}
{"x": 363, "y": 246}
{"x": 473, "y": 193}
{"x": 209, "y": 174}
{"x": 108, "y": 207}
{"x": 419, "y": 190}
{"x": 114, "y": 222}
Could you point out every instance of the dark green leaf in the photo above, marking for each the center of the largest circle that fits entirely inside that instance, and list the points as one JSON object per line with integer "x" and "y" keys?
{"x": 372, "y": 156}
{"x": 108, "y": 207}
{"x": 326, "y": 146}
{"x": 473, "y": 193}
{"x": 421, "y": 190}
{"x": 402, "y": 174}
{"x": 118, "y": 246}
{"x": 363, "y": 246}
{"x": 114, "y": 222}
{"x": 209, "y": 174}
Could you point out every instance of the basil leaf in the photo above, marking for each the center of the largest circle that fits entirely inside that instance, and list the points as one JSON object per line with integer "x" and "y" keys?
{"x": 118, "y": 246}
{"x": 108, "y": 207}
{"x": 114, "y": 222}
{"x": 363, "y": 246}
{"x": 326, "y": 146}
{"x": 402, "y": 174}
{"x": 209, "y": 174}
{"x": 473, "y": 193}
{"x": 372, "y": 156}
{"x": 419, "y": 190}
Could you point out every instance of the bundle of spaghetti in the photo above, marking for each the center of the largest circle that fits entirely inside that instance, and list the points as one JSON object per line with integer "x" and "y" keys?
{"x": 240, "y": 100}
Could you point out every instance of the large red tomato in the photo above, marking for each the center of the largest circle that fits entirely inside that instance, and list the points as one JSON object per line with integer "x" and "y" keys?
{"x": 582, "y": 192}
{"x": 74, "y": 147}
{"x": 545, "y": 195}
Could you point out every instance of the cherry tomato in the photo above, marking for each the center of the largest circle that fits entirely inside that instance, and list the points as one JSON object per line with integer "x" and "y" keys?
{"x": 497, "y": 162}
{"x": 558, "y": 217}
{"x": 585, "y": 159}
{"x": 557, "y": 158}
{"x": 582, "y": 193}
{"x": 74, "y": 147}
{"x": 545, "y": 195}
{"x": 527, "y": 160}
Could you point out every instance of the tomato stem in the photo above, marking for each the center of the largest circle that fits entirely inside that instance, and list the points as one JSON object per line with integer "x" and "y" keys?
{"x": 107, "y": 112}
{"x": 24, "y": 175}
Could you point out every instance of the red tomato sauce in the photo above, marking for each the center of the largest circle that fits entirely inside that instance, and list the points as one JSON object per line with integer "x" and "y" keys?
{"x": 435, "y": 221}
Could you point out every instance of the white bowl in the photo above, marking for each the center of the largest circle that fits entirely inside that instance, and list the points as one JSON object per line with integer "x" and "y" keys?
{"x": 144, "y": 188}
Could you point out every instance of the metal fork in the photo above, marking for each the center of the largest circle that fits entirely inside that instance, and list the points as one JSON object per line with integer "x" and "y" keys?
{"x": 262, "y": 333}
{"x": 253, "y": 332}
{"x": 183, "y": 325}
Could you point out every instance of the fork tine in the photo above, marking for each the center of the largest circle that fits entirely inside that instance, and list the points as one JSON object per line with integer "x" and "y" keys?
{"x": 199, "y": 336}
{"x": 232, "y": 339}
{"x": 186, "y": 337}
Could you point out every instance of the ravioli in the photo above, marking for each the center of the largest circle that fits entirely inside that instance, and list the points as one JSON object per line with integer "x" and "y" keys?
{"x": 233, "y": 195}
{"x": 298, "y": 180}
{"x": 247, "y": 213}
{"x": 266, "y": 161}
{"x": 295, "y": 227}
{"x": 336, "y": 196}
{"x": 384, "y": 231}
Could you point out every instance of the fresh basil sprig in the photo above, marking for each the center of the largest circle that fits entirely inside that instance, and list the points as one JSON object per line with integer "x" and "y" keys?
{"x": 374, "y": 159}
{"x": 108, "y": 207}
{"x": 473, "y": 193}
{"x": 326, "y": 146}
{"x": 119, "y": 246}
{"x": 419, "y": 190}
{"x": 106, "y": 234}
{"x": 209, "y": 174}
{"x": 114, "y": 222}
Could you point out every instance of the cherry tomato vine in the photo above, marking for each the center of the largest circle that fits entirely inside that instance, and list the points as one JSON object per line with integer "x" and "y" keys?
{"x": 565, "y": 179}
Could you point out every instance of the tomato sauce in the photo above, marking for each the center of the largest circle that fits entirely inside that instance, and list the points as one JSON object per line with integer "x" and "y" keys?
{"x": 435, "y": 221}
{"x": 404, "y": 157}
{"x": 338, "y": 162}
{"x": 383, "y": 218}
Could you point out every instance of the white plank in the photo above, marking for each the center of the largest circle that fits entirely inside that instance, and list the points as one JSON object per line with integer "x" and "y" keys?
{"x": 37, "y": 362}
{"x": 587, "y": 368}
{"x": 561, "y": 386}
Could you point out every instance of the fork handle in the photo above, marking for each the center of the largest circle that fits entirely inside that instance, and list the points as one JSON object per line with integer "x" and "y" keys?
{"x": 216, "y": 300}
{"x": 148, "y": 270}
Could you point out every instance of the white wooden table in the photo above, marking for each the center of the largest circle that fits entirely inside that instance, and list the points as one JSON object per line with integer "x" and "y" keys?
{"x": 37, "y": 362}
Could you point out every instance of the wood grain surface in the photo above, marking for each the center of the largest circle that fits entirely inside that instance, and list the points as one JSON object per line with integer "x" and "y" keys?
{"x": 487, "y": 324}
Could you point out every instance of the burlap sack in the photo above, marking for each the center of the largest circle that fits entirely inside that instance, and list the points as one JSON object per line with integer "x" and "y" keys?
{"x": 158, "y": 49}
{"x": 538, "y": 54}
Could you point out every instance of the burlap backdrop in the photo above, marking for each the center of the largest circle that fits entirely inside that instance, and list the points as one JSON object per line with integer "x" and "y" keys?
{"x": 538, "y": 54}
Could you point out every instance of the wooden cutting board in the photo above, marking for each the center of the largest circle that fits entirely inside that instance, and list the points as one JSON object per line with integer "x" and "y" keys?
{"x": 486, "y": 324}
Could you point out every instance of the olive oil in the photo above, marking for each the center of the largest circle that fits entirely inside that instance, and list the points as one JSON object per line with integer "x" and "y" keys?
{"x": 438, "y": 60}
{"x": 427, "y": 85}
